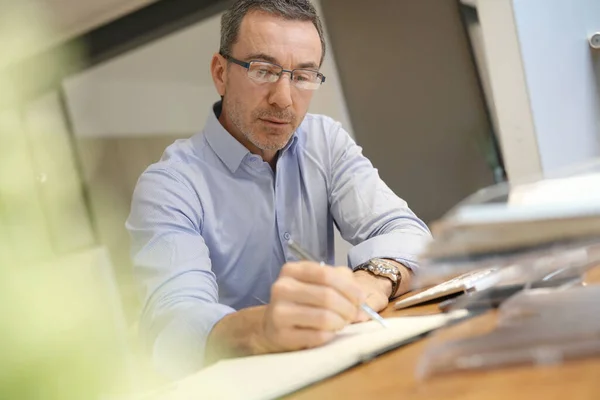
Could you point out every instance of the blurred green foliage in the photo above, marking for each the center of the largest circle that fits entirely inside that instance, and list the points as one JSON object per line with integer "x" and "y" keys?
{"x": 57, "y": 333}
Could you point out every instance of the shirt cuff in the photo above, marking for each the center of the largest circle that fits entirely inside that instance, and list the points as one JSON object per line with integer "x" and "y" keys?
{"x": 396, "y": 245}
{"x": 179, "y": 348}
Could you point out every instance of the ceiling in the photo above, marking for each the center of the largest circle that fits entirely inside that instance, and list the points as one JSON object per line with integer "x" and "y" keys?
{"x": 72, "y": 18}
{"x": 75, "y": 17}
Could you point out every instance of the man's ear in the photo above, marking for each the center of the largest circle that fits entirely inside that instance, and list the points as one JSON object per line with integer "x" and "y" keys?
{"x": 218, "y": 70}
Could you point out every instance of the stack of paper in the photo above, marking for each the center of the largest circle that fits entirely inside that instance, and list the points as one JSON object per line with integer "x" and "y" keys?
{"x": 554, "y": 210}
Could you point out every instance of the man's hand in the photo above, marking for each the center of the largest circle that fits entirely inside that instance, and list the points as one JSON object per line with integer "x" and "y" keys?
{"x": 309, "y": 303}
{"x": 378, "y": 289}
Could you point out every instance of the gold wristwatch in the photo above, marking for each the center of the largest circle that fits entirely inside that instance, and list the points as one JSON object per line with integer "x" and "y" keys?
{"x": 383, "y": 268}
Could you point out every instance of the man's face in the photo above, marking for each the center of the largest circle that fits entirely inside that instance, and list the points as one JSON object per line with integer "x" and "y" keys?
{"x": 267, "y": 114}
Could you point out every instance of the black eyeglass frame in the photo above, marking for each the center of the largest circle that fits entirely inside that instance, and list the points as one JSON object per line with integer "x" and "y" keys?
{"x": 291, "y": 72}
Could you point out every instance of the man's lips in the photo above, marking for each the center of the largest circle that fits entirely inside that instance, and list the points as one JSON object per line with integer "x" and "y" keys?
{"x": 275, "y": 121}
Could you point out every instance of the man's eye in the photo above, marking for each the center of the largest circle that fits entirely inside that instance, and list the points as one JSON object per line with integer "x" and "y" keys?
{"x": 264, "y": 72}
{"x": 304, "y": 77}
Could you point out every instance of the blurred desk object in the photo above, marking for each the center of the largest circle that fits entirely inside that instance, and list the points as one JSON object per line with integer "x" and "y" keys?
{"x": 392, "y": 375}
{"x": 531, "y": 55}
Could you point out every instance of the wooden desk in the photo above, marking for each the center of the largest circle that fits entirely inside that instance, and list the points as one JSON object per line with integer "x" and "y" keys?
{"x": 392, "y": 375}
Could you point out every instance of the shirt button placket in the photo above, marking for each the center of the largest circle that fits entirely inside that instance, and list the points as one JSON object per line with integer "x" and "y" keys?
{"x": 280, "y": 206}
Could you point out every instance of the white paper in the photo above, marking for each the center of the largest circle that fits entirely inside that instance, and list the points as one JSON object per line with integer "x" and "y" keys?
{"x": 274, "y": 375}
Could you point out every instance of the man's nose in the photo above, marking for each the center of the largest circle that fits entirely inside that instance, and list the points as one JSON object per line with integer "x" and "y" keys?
{"x": 281, "y": 92}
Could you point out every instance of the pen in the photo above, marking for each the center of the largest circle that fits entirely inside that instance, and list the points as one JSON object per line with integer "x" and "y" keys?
{"x": 306, "y": 256}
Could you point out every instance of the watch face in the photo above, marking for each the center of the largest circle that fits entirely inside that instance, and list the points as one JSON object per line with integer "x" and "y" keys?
{"x": 382, "y": 268}
{"x": 386, "y": 269}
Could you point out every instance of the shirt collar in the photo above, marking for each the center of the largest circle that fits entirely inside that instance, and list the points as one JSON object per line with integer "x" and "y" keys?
{"x": 226, "y": 147}
{"x": 291, "y": 144}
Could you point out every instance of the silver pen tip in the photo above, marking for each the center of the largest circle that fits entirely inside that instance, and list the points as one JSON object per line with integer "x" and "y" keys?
{"x": 375, "y": 316}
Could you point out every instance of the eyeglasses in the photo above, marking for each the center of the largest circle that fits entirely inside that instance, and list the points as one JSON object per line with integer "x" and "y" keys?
{"x": 266, "y": 72}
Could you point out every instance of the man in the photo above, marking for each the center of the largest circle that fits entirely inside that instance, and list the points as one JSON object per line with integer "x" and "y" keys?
{"x": 210, "y": 222}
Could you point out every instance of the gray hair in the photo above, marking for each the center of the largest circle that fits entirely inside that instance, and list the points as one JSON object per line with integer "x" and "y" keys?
{"x": 295, "y": 10}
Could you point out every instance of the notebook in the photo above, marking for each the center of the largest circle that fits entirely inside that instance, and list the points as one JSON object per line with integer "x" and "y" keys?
{"x": 275, "y": 375}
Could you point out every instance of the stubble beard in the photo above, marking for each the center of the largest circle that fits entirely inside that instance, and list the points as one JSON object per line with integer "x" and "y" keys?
{"x": 270, "y": 142}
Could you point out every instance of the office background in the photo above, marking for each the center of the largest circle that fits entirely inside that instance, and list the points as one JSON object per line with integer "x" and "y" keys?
{"x": 445, "y": 97}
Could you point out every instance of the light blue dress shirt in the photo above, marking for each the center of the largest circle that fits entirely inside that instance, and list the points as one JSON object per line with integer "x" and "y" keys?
{"x": 209, "y": 224}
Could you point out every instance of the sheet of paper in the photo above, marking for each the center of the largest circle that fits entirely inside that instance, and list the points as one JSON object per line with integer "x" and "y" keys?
{"x": 274, "y": 375}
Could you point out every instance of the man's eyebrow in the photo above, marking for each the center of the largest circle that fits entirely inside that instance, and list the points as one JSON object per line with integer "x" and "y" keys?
{"x": 310, "y": 65}
{"x": 262, "y": 57}
{"x": 273, "y": 60}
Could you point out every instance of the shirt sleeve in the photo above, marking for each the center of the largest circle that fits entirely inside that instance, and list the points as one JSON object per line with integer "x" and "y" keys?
{"x": 172, "y": 268}
{"x": 367, "y": 212}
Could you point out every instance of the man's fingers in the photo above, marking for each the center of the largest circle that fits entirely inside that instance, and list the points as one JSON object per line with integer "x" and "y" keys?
{"x": 374, "y": 301}
{"x": 286, "y": 315}
{"x": 300, "y": 339}
{"x": 338, "y": 278}
{"x": 377, "y": 301}
{"x": 292, "y": 290}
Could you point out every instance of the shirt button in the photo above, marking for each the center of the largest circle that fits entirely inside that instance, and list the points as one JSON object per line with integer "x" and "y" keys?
{"x": 287, "y": 236}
